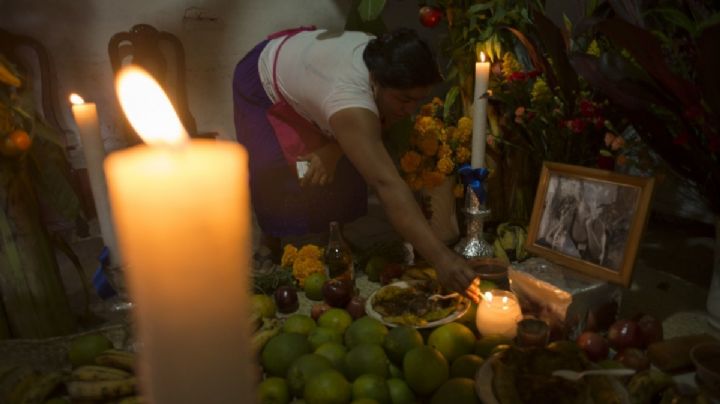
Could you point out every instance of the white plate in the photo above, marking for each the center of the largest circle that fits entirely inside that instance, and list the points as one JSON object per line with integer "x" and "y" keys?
{"x": 484, "y": 389}
{"x": 462, "y": 308}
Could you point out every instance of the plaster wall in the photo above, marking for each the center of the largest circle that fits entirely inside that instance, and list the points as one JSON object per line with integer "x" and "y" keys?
{"x": 214, "y": 33}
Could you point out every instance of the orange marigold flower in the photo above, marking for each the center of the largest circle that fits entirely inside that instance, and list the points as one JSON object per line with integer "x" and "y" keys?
{"x": 432, "y": 179}
{"x": 428, "y": 145}
{"x": 289, "y": 254}
{"x": 462, "y": 154}
{"x": 445, "y": 151}
{"x": 459, "y": 190}
{"x": 304, "y": 266}
{"x": 310, "y": 251}
{"x": 410, "y": 161}
{"x": 445, "y": 165}
{"x": 621, "y": 160}
{"x": 425, "y": 124}
{"x": 414, "y": 182}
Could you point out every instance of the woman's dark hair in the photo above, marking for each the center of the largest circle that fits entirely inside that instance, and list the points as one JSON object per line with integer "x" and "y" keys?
{"x": 400, "y": 59}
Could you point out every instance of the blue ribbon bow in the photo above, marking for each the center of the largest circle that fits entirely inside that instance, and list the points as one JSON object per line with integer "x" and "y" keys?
{"x": 475, "y": 178}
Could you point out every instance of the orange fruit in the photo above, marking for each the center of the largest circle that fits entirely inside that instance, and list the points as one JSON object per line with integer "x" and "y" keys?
{"x": 327, "y": 387}
{"x": 281, "y": 351}
{"x": 20, "y": 139}
{"x": 274, "y": 390}
{"x": 400, "y": 340}
{"x": 366, "y": 358}
{"x": 370, "y": 386}
{"x": 457, "y": 390}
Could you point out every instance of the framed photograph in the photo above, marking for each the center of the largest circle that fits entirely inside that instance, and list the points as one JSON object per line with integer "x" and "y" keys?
{"x": 589, "y": 220}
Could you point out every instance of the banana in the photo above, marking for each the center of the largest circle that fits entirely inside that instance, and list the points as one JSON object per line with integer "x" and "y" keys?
{"x": 42, "y": 387}
{"x": 116, "y": 358}
{"x": 270, "y": 328}
{"x": 16, "y": 382}
{"x": 94, "y": 372}
{"x": 101, "y": 390}
{"x": 500, "y": 251}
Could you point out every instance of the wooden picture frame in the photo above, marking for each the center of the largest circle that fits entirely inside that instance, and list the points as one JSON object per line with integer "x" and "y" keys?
{"x": 589, "y": 220}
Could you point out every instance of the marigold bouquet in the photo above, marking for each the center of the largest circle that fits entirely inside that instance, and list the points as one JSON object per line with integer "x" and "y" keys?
{"x": 435, "y": 149}
{"x": 303, "y": 262}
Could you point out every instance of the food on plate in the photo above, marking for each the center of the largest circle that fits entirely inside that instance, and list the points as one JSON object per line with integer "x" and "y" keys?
{"x": 408, "y": 303}
{"x": 531, "y": 368}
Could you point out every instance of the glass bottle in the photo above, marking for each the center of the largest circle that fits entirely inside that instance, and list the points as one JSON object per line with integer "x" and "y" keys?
{"x": 338, "y": 256}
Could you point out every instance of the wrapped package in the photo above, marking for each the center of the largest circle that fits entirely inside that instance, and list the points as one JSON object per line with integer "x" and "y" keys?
{"x": 569, "y": 301}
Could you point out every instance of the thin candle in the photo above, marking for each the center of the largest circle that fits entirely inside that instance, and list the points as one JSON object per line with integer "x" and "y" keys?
{"x": 86, "y": 118}
{"x": 183, "y": 221}
{"x": 482, "y": 78}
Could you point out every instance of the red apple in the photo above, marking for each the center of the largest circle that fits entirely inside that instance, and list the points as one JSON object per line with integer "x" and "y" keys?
{"x": 430, "y": 16}
{"x": 625, "y": 334}
{"x": 356, "y": 307}
{"x": 286, "y": 299}
{"x": 318, "y": 309}
{"x": 337, "y": 293}
{"x": 633, "y": 358}
{"x": 595, "y": 346}
{"x": 650, "y": 328}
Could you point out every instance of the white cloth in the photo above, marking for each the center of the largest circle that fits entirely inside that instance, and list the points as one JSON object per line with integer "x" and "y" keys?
{"x": 319, "y": 73}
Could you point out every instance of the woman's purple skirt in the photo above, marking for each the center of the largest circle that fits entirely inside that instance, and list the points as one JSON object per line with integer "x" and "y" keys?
{"x": 281, "y": 205}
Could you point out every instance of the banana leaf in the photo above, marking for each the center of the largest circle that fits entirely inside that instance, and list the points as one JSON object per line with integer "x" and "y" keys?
{"x": 31, "y": 287}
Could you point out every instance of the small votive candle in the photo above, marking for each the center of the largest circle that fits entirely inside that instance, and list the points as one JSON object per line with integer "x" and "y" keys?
{"x": 498, "y": 313}
{"x": 532, "y": 332}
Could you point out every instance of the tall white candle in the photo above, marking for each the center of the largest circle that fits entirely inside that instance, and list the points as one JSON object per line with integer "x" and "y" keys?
{"x": 182, "y": 212}
{"x": 498, "y": 313}
{"x": 482, "y": 77}
{"x": 86, "y": 118}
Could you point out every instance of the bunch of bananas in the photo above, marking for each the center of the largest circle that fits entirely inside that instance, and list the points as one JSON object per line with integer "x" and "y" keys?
{"x": 265, "y": 328}
{"x": 509, "y": 244}
{"x": 109, "y": 380}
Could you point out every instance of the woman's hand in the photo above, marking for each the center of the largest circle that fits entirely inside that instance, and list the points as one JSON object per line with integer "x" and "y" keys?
{"x": 323, "y": 163}
{"x": 455, "y": 274}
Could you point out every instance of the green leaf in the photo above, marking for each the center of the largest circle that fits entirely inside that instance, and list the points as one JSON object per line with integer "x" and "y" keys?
{"x": 450, "y": 99}
{"x": 476, "y": 8}
{"x": 370, "y": 9}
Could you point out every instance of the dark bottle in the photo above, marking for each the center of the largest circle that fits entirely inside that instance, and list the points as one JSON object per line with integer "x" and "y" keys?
{"x": 338, "y": 257}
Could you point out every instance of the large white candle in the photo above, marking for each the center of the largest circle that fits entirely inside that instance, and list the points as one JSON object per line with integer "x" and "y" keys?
{"x": 86, "y": 118}
{"x": 498, "y": 313}
{"x": 482, "y": 77}
{"x": 182, "y": 213}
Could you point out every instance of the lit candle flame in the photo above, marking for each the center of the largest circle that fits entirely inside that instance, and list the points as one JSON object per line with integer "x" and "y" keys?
{"x": 76, "y": 99}
{"x": 482, "y": 57}
{"x": 488, "y": 296}
{"x": 148, "y": 108}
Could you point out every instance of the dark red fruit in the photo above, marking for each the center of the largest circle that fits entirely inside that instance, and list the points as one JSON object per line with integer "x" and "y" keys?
{"x": 430, "y": 16}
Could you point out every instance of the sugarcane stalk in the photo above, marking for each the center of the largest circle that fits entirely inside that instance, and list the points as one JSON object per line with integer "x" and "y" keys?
{"x": 33, "y": 295}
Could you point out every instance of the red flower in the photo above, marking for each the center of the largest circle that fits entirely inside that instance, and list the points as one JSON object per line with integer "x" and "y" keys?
{"x": 587, "y": 108}
{"x": 517, "y": 76}
{"x": 577, "y": 125}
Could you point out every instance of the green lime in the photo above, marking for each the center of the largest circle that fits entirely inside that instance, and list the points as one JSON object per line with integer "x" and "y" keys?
{"x": 263, "y": 305}
{"x": 281, "y": 351}
{"x": 85, "y": 348}
{"x": 335, "y": 318}
{"x": 299, "y": 324}
{"x": 303, "y": 368}
{"x": 374, "y": 267}
{"x": 334, "y": 351}
{"x": 365, "y": 330}
{"x": 452, "y": 340}
{"x": 425, "y": 369}
{"x": 457, "y": 390}
{"x": 327, "y": 387}
{"x": 372, "y": 387}
{"x": 321, "y": 335}
{"x": 366, "y": 358}
{"x": 401, "y": 339}
{"x": 466, "y": 366}
{"x": 400, "y": 392}
{"x": 273, "y": 390}
{"x": 313, "y": 285}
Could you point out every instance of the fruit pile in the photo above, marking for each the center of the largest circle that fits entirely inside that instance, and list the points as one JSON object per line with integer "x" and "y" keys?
{"x": 335, "y": 358}
{"x": 98, "y": 374}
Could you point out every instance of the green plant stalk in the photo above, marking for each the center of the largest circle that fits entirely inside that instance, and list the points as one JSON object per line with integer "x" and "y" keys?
{"x": 32, "y": 292}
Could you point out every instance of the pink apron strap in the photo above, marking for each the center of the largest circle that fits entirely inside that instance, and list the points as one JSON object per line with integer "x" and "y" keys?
{"x": 287, "y": 34}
